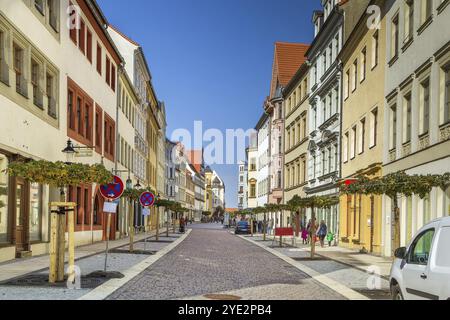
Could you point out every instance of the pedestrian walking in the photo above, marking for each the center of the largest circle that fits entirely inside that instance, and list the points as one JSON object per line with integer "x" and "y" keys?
{"x": 305, "y": 236}
{"x": 309, "y": 231}
{"x": 322, "y": 233}
{"x": 330, "y": 238}
{"x": 259, "y": 226}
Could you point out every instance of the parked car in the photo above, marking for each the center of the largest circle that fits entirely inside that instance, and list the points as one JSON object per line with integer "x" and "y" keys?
{"x": 242, "y": 227}
{"x": 422, "y": 270}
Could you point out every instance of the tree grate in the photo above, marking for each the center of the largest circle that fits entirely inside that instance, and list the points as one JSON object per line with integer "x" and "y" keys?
{"x": 41, "y": 281}
{"x": 136, "y": 251}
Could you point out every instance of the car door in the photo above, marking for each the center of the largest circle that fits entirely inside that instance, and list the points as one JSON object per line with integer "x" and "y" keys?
{"x": 415, "y": 271}
{"x": 438, "y": 282}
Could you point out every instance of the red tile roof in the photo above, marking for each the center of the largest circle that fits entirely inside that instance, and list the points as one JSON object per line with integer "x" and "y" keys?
{"x": 195, "y": 158}
{"x": 288, "y": 58}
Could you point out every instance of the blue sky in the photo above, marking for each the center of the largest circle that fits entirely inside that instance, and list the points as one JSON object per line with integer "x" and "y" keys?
{"x": 211, "y": 60}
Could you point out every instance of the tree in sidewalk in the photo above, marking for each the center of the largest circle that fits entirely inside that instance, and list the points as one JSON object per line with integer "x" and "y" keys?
{"x": 313, "y": 203}
{"x": 61, "y": 175}
{"x": 394, "y": 185}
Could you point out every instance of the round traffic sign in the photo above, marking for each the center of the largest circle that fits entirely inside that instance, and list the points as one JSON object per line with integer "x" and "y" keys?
{"x": 147, "y": 199}
{"x": 112, "y": 191}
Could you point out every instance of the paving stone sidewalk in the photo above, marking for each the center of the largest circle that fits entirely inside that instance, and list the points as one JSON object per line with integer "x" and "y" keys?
{"x": 20, "y": 267}
{"x": 88, "y": 263}
{"x": 343, "y": 255}
{"x": 338, "y": 266}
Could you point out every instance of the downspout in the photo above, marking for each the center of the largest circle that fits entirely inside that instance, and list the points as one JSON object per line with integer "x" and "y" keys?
{"x": 341, "y": 84}
{"x": 119, "y": 73}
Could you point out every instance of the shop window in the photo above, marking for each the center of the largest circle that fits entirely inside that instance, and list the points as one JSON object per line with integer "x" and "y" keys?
{"x": 3, "y": 200}
{"x": 35, "y": 212}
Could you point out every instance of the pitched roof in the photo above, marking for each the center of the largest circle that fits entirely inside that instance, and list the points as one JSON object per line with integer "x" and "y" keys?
{"x": 124, "y": 35}
{"x": 288, "y": 58}
{"x": 195, "y": 158}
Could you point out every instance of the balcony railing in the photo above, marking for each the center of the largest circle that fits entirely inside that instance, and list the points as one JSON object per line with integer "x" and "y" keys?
{"x": 4, "y": 72}
{"x": 393, "y": 155}
{"x": 38, "y": 97}
{"x": 424, "y": 142}
{"x": 406, "y": 150}
{"x": 52, "y": 107}
{"x": 21, "y": 85}
{"x": 444, "y": 132}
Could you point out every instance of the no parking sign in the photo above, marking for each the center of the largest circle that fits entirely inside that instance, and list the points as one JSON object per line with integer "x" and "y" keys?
{"x": 147, "y": 199}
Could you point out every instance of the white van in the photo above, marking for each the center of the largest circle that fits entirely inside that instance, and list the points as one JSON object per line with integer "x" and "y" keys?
{"x": 422, "y": 270}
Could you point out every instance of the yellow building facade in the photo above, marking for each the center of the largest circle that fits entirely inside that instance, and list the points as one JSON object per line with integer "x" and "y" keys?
{"x": 296, "y": 137}
{"x": 363, "y": 60}
{"x": 152, "y": 138}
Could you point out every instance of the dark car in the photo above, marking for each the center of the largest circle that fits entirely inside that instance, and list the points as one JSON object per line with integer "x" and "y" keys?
{"x": 242, "y": 227}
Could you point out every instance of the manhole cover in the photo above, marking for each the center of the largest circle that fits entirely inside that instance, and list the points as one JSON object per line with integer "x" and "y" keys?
{"x": 41, "y": 281}
{"x": 143, "y": 252}
{"x": 221, "y": 297}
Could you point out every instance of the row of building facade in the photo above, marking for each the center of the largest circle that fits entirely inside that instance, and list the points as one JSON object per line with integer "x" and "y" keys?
{"x": 67, "y": 74}
{"x": 369, "y": 96}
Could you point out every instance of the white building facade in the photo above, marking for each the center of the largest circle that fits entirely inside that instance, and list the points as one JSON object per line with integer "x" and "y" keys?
{"x": 417, "y": 116}
{"x": 325, "y": 108}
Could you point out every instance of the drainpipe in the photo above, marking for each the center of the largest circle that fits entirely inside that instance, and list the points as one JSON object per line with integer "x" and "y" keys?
{"x": 120, "y": 71}
{"x": 340, "y": 69}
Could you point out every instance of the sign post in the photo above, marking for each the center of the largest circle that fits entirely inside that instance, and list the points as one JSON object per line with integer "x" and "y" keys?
{"x": 147, "y": 199}
{"x": 111, "y": 192}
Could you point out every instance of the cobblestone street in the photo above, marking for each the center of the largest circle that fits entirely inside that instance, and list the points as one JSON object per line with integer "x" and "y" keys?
{"x": 213, "y": 261}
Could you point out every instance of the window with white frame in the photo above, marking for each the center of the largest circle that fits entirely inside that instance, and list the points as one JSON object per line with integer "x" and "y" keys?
{"x": 445, "y": 95}
{"x": 347, "y": 83}
{"x": 375, "y": 47}
{"x": 362, "y": 135}
{"x": 373, "y": 128}
{"x": 409, "y": 20}
{"x": 394, "y": 37}
{"x": 393, "y": 127}
{"x": 355, "y": 75}
{"x": 363, "y": 64}
{"x": 353, "y": 143}
{"x": 424, "y": 107}
{"x": 407, "y": 105}
{"x": 426, "y": 10}
{"x": 345, "y": 147}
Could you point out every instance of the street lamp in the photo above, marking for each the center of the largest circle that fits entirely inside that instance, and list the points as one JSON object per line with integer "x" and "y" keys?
{"x": 138, "y": 185}
{"x": 70, "y": 152}
{"x": 129, "y": 184}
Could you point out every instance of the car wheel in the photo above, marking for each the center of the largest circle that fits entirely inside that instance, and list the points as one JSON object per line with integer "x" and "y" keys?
{"x": 396, "y": 293}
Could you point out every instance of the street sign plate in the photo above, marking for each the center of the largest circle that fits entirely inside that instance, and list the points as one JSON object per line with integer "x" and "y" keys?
{"x": 146, "y": 212}
{"x": 85, "y": 153}
{"x": 147, "y": 199}
{"x": 110, "y": 207}
{"x": 113, "y": 190}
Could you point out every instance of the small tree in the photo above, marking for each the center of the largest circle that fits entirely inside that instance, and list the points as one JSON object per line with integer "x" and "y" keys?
{"x": 394, "y": 185}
